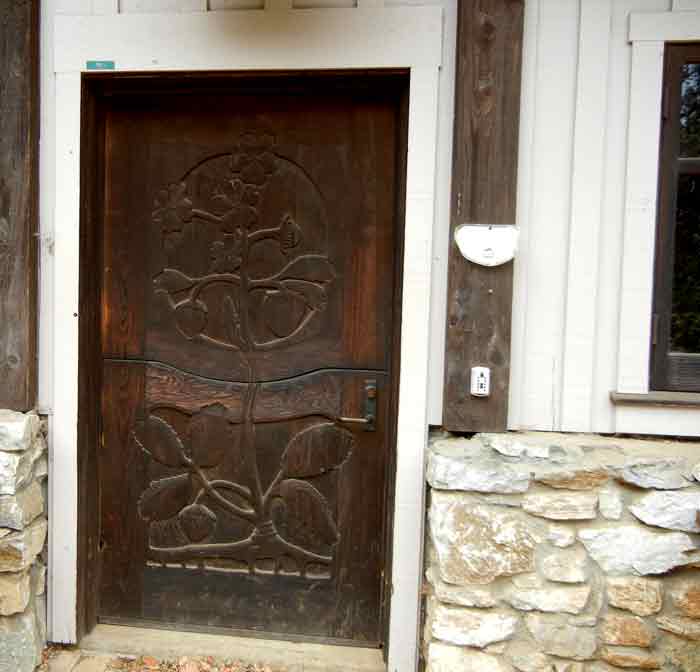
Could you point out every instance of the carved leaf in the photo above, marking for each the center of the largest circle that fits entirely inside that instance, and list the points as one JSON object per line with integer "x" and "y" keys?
{"x": 312, "y": 268}
{"x": 307, "y": 518}
{"x": 165, "y": 498}
{"x": 313, "y": 295}
{"x": 198, "y": 522}
{"x": 191, "y": 318}
{"x": 210, "y": 434}
{"x": 157, "y": 438}
{"x": 316, "y": 450}
{"x": 171, "y": 281}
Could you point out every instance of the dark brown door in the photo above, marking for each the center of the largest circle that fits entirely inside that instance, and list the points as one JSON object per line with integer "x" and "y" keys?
{"x": 249, "y": 278}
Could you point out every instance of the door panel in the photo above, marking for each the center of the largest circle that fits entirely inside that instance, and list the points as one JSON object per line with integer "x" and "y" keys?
{"x": 248, "y": 292}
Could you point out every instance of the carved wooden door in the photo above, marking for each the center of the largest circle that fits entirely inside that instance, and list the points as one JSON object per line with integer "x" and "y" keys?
{"x": 249, "y": 265}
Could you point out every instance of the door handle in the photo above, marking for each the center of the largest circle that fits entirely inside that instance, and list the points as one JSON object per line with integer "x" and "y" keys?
{"x": 369, "y": 419}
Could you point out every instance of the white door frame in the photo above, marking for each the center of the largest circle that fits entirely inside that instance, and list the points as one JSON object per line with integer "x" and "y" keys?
{"x": 373, "y": 37}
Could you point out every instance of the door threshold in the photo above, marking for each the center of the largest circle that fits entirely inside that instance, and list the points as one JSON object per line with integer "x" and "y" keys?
{"x": 296, "y": 656}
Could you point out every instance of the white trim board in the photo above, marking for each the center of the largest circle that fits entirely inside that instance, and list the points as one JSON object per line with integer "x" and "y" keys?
{"x": 676, "y": 26}
{"x": 256, "y": 40}
{"x": 648, "y": 33}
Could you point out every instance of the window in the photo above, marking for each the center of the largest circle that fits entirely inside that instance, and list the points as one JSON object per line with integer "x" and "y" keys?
{"x": 675, "y": 361}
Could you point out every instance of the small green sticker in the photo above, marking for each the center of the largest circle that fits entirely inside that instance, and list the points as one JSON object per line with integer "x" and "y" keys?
{"x": 100, "y": 65}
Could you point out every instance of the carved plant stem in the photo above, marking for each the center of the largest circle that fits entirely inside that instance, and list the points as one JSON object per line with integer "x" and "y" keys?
{"x": 246, "y": 514}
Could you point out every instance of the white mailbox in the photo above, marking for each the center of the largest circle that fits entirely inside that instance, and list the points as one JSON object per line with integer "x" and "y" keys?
{"x": 487, "y": 245}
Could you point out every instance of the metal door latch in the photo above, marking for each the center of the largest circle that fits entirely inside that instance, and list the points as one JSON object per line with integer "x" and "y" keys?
{"x": 370, "y": 409}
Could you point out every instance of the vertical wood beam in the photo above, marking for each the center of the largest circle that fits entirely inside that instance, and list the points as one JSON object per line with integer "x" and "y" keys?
{"x": 484, "y": 186}
{"x": 19, "y": 114}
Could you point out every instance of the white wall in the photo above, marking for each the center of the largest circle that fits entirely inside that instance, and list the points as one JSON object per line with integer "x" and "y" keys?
{"x": 572, "y": 210}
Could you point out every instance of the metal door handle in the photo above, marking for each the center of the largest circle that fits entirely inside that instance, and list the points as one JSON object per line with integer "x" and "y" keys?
{"x": 358, "y": 421}
{"x": 370, "y": 409}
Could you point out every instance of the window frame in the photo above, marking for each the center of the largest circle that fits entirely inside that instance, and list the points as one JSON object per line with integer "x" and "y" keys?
{"x": 670, "y": 371}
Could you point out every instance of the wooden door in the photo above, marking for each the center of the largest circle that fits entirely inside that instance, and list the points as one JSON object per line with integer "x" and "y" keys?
{"x": 249, "y": 283}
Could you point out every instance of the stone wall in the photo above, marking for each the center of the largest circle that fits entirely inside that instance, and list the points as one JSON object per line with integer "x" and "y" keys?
{"x": 562, "y": 553}
{"x": 23, "y": 527}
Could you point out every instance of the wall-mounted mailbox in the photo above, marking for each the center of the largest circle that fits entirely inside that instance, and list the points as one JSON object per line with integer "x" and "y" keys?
{"x": 487, "y": 245}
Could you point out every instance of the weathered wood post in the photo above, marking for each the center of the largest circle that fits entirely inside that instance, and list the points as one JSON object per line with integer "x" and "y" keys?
{"x": 484, "y": 181}
{"x": 19, "y": 115}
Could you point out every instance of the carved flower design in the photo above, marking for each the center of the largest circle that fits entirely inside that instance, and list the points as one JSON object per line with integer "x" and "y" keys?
{"x": 254, "y": 160}
{"x": 172, "y": 208}
{"x": 226, "y": 253}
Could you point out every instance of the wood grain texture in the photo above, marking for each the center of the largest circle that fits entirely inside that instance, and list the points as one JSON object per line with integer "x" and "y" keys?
{"x": 487, "y": 98}
{"x": 19, "y": 110}
{"x": 247, "y": 261}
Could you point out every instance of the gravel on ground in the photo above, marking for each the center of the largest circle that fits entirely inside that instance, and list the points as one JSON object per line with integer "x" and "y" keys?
{"x": 151, "y": 664}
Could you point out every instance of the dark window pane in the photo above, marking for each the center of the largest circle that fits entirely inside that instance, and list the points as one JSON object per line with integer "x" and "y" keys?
{"x": 690, "y": 110}
{"x": 685, "y": 320}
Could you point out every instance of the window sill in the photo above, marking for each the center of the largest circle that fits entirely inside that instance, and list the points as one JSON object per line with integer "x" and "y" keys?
{"x": 656, "y": 399}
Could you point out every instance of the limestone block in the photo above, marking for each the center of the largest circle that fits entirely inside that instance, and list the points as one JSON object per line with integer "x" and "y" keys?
{"x": 21, "y": 642}
{"x": 476, "y": 474}
{"x": 583, "y": 478}
{"x": 38, "y": 578}
{"x": 566, "y": 566}
{"x": 550, "y": 599}
{"x": 525, "y": 658}
{"x": 642, "y": 597}
{"x": 670, "y": 510}
{"x": 562, "y": 506}
{"x": 465, "y": 596}
{"x": 19, "y": 549}
{"x": 630, "y": 658}
{"x": 630, "y": 549}
{"x": 682, "y": 627}
{"x": 446, "y": 658}
{"x": 41, "y": 468}
{"x": 64, "y": 661}
{"x": 20, "y": 509}
{"x": 17, "y": 430}
{"x": 16, "y": 468}
{"x": 686, "y": 598}
{"x": 682, "y": 655}
{"x": 463, "y": 627}
{"x": 476, "y": 543}
{"x": 654, "y": 473}
{"x": 610, "y": 503}
{"x": 561, "y": 536}
{"x": 558, "y": 638}
{"x": 568, "y": 666}
{"x": 15, "y": 591}
{"x": 511, "y": 445}
{"x": 625, "y": 631}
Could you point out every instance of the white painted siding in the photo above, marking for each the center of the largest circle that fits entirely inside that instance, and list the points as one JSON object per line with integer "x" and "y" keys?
{"x": 575, "y": 339}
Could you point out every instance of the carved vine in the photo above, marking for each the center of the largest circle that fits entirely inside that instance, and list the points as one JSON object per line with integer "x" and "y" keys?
{"x": 184, "y": 509}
